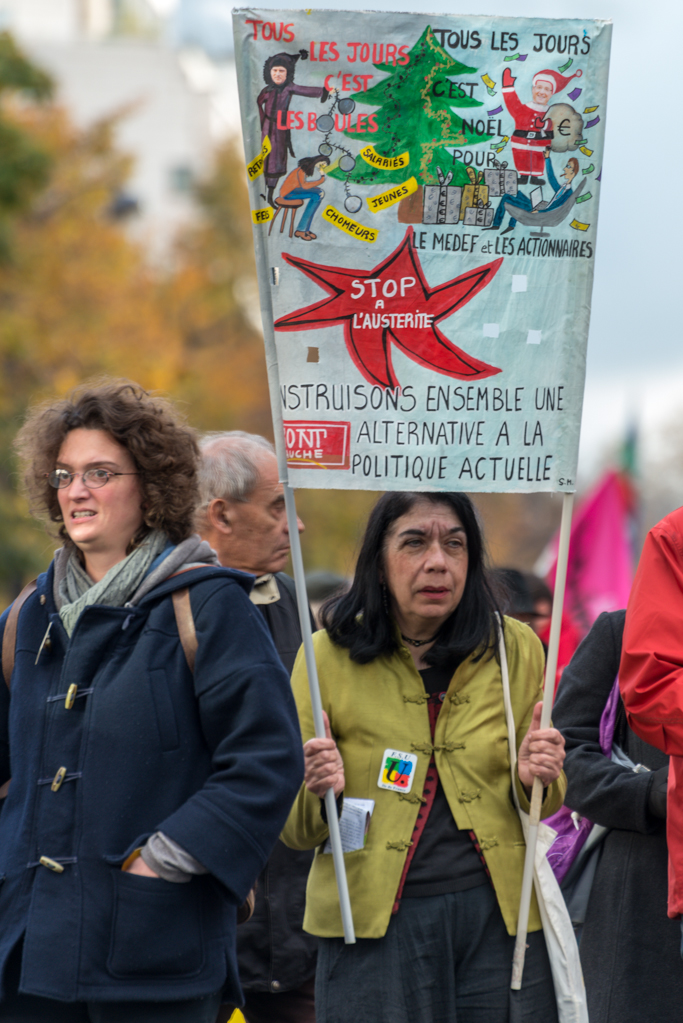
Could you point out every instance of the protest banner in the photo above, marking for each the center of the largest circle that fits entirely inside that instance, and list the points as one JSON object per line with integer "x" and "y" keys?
{"x": 425, "y": 193}
{"x": 418, "y": 341}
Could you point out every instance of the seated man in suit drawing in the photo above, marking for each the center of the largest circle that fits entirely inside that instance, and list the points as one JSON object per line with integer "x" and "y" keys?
{"x": 524, "y": 202}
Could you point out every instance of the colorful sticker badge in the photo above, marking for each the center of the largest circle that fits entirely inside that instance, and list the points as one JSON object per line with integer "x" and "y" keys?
{"x": 397, "y": 771}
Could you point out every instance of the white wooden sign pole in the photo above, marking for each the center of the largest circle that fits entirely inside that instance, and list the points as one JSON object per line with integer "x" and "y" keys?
{"x": 548, "y": 694}
{"x": 311, "y": 668}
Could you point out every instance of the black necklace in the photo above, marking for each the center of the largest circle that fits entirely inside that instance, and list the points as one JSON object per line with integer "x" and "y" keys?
{"x": 419, "y": 642}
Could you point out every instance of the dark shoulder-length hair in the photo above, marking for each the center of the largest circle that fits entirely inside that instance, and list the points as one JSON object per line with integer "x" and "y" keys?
{"x": 150, "y": 428}
{"x": 360, "y": 619}
{"x": 309, "y": 163}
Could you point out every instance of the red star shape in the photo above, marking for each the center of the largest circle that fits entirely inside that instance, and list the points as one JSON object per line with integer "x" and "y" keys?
{"x": 368, "y": 339}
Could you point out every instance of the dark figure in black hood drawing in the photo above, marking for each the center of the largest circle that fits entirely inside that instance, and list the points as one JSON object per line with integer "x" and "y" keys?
{"x": 273, "y": 103}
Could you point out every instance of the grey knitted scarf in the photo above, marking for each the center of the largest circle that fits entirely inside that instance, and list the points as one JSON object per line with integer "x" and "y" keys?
{"x": 128, "y": 581}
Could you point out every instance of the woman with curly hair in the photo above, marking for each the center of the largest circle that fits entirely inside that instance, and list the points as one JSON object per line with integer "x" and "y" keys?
{"x": 149, "y": 776}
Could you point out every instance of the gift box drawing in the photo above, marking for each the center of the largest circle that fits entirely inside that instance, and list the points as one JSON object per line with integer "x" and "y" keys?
{"x": 442, "y": 201}
{"x": 500, "y": 180}
{"x": 474, "y": 193}
{"x": 480, "y": 215}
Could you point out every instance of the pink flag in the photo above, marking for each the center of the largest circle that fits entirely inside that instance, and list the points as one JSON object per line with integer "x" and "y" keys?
{"x": 600, "y": 570}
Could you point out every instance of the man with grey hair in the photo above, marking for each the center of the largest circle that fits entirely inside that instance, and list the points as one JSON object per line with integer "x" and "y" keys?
{"x": 242, "y": 515}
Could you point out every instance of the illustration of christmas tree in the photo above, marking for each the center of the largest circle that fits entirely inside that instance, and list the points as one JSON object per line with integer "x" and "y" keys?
{"x": 415, "y": 117}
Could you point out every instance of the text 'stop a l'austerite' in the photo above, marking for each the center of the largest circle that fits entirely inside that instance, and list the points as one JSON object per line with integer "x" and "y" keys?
{"x": 424, "y": 191}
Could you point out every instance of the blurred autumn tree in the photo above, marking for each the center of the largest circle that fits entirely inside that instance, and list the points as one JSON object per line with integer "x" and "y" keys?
{"x": 212, "y": 300}
{"x": 78, "y": 299}
{"x": 24, "y": 165}
{"x": 24, "y": 170}
{"x": 518, "y": 526}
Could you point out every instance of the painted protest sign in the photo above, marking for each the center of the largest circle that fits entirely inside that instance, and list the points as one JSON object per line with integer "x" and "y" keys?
{"x": 424, "y": 192}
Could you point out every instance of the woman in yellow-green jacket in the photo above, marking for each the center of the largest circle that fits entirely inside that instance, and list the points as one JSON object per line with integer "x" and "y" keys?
{"x": 412, "y": 690}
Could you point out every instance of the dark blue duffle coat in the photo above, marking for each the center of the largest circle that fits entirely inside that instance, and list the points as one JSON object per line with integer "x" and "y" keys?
{"x": 214, "y": 761}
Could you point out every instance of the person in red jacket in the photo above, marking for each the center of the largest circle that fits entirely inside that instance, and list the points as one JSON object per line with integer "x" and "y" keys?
{"x": 533, "y": 129}
{"x": 651, "y": 672}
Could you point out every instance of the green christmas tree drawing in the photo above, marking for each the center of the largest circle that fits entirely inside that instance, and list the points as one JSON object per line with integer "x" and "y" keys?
{"x": 411, "y": 118}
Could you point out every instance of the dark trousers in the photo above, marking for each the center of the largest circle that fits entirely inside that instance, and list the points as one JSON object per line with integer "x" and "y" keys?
{"x": 297, "y": 1006}
{"x": 444, "y": 959}
{"x": 18, "y": 1008}
{"x": 520, "y": 200}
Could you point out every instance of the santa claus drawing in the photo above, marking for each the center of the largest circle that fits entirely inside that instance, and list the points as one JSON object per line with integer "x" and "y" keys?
{"x": 533, "y": 128}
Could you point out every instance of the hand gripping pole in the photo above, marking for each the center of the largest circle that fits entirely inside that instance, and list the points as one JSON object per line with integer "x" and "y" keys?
{"x": 311, "y": 668}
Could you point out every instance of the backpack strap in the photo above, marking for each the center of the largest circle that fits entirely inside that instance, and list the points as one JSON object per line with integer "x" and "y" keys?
{"x": 188, "y": 640}
{"x": 9, "y": 639}
{"x": 182, "y": 609}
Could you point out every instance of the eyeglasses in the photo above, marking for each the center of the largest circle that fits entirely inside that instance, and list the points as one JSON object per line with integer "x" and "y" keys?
{"x": 92, "y": 478}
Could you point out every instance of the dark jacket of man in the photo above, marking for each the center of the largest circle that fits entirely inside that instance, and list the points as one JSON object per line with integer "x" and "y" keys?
{"x": 211, "y": 758}
{"x": 274, "y": 953}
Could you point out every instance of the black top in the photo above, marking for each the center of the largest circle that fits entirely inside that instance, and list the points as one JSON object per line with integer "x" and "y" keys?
{"x": 445, "y": 859}
{"x": 274, "y": 953}
{"x": 630, "y": 949}
{"x": 599, "y": 789}
{"x": 282, "y": 619}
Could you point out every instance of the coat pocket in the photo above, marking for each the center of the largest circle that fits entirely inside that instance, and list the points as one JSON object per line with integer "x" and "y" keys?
{"x": 156, "y": 928}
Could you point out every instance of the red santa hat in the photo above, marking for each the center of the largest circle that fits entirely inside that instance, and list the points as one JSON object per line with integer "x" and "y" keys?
{"x": 554, "y": 78}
